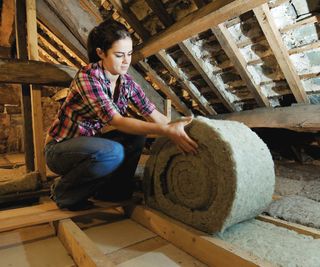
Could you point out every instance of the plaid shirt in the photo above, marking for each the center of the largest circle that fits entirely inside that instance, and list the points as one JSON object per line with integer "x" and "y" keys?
{"x": 89, "y": 104}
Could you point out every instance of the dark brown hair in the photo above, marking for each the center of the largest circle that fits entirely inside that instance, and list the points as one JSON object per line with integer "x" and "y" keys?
{"x": 103, "y": 36}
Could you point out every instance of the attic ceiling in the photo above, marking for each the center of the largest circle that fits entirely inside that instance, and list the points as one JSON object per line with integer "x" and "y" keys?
{"x": 268, "y": 56}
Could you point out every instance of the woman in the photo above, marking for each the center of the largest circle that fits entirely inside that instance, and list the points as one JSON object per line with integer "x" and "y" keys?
{"x": 92, "y": 163}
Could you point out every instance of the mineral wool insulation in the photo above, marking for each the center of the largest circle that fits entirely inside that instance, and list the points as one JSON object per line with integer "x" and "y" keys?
{"x": 230, "y": 180}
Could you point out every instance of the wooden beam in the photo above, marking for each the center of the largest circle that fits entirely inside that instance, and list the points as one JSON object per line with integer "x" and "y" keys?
{"x": 274, "y": 38}
{"x": 155, "y": 78}
{"x": 296, "y": 118}
{"x": 83, "y": 251}
{"x": 35, "y": 72}
{"x": 210, "y": 250}
{"x": 22, "y": 53}
{"x": 52, "y": 21}
{"x": 198, "y": 21}
{"x": 206, "y": 72}
{"x": 37, "y": 121}
{"x": 233, "y": 52}
{"x": 172, "y": 67}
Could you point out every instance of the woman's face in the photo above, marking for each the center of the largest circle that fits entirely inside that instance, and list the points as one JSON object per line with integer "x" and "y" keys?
{"x": 117, "y": 59}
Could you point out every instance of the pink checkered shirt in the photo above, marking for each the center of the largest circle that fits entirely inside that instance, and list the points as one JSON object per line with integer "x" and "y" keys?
{"x": 89, "y": 105}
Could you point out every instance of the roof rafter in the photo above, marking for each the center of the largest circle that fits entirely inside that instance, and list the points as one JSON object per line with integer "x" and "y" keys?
{"x": 210, "y": 15}
{"x": 274, "y": 39}
{"x": 233, "y": 52}
{"x": 186, "y": 48}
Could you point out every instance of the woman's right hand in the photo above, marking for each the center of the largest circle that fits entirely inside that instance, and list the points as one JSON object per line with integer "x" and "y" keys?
{"x": 175, "y": 131}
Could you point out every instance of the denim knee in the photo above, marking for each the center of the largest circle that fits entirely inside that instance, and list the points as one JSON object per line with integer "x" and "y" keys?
{"x": 111, "y": 157}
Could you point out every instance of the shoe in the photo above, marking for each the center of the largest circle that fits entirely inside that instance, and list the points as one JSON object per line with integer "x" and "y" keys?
{"x": 52, "y": 189}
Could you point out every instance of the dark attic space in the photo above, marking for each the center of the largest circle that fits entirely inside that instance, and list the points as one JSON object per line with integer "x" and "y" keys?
{"x": 159, "y": 133}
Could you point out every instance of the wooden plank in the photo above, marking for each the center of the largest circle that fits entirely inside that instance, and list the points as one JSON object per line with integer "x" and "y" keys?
{"x": 173, "y": 68}
{"x": 155, "y": 78}
{"x": 210, "y": 250}
{"x": 10, "y": 223}
{"x": 207, "y": 74}
{"x": 233, "y": 52}
{"x": 27, "y": 234}
{"x": 22, "y": 52}
{"x": 296, "y": 118}
{"x": 7, "y": 21}
{"x": 198, "y": 21}
{"x": 83, "y": 251}
{"x": 274, "y": 38}
{"x": 35, "y": 72}
{"x": 301, "y": 229}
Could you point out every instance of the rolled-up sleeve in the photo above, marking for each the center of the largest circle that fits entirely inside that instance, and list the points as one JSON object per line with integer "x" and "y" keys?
{"x": 140, "y": 100}
{"x": 95, "y": 96}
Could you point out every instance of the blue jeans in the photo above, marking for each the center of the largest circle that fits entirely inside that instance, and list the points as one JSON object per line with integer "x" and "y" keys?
{"x": 102, "y": 166}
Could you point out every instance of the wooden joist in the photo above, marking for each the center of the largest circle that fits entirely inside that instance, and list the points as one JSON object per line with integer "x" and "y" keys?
{"x": 210, "y": 250}
{"x": 296, "y": 118}
{"x": 83, "y": 251}
{"x": 229, "y": 46}
{"x": 274, "y": 38}
{"x": 198, "y": 21}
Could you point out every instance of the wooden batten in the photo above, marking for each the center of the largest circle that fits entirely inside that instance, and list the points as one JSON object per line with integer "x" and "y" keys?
{"x": 296, "y": 118}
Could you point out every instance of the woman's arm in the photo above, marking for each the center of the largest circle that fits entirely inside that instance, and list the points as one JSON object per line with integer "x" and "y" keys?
{"x": 174, "y": 131}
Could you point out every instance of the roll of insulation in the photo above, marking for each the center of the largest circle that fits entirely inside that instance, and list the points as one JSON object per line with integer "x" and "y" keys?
{"x": 230, "y": 180}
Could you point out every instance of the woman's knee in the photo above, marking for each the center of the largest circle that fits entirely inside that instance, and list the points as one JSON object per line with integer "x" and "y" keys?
{"x": 112, "y": 154}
